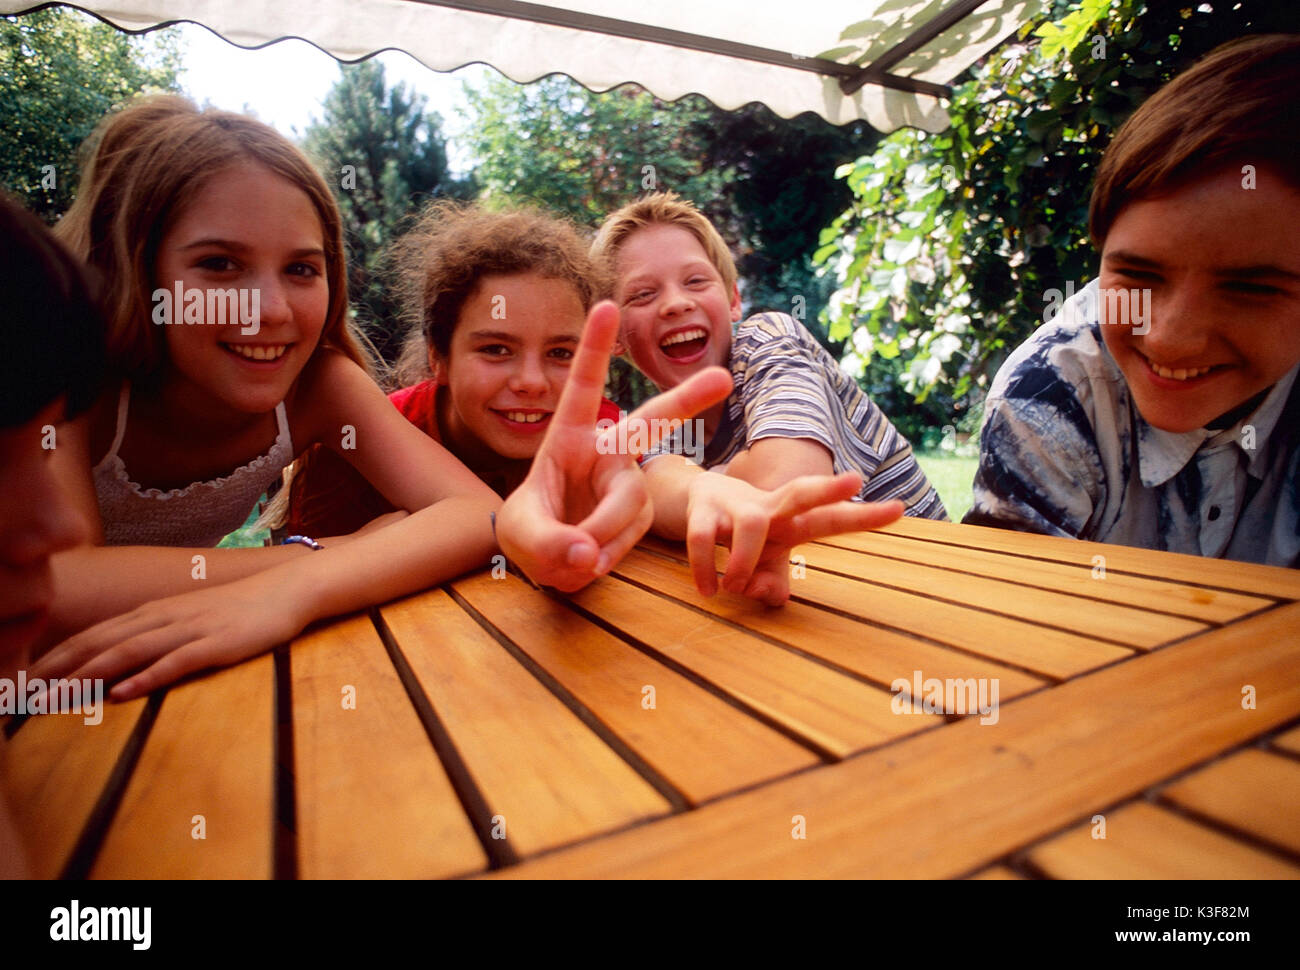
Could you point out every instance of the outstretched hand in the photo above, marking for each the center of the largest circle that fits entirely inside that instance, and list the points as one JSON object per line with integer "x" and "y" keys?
{"x": 761, "y": 527}
{"x": 584, "y": 505}
{"x": 166, "y": 639}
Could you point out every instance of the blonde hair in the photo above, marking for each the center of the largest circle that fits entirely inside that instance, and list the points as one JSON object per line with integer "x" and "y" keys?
{"x": 453, "y": 245}
{"x": 663, "y": 209}
{"x": 147, "y": 162}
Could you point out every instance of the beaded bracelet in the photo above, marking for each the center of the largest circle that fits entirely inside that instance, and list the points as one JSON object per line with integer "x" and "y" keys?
{"x": 303, "y": 540}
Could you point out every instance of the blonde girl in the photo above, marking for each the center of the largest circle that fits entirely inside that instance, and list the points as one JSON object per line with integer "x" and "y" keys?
{"x": 221, "y": 250}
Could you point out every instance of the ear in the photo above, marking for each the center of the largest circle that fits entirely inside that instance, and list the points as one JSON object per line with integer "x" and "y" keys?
{"x": 735, "y": 302}
{"x": 437, "y": 368}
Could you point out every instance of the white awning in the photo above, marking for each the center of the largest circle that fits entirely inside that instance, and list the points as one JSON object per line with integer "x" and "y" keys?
{"x": 884, "y": 61}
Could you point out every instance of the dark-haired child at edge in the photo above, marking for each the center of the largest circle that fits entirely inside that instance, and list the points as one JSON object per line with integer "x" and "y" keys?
{"x": 51, "y": 372}
{"x": 1160, "y": 408}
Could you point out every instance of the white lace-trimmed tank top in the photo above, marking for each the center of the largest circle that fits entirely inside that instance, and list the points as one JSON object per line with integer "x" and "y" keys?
{"x": 198, "y": 515}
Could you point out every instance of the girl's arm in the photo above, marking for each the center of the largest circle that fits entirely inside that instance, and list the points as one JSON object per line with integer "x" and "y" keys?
{"x": 95, "y": 582}
{"x": 169, "y": 638}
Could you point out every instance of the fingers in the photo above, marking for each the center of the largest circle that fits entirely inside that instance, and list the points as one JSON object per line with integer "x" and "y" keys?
{"x": 699, "y": 393}
{"x": 612, "y": 552}
{"x": 810, "y": 491}
{"x": 75, "y": 652}
{"x": 771, "y": 582}
{"x": 748, "y": 537}
{"x": 625, "y": 503}
{"x": 580, "y": 400}
{"x": 701, "y": 538}
{"x": 843, "y": 517}
{"x": 169, "y": 668}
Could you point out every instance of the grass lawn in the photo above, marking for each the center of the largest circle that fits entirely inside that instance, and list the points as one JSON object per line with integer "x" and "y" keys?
{"x": 951, "y": 474}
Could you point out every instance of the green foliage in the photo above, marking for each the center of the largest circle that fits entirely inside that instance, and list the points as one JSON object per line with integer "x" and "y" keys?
{"x": 945, "y": 257}
{"x": 583, "y": 154}
{"x": 61, "y": 71}
{"x": 383, "y": 155}
{"x": 764, "y": 181}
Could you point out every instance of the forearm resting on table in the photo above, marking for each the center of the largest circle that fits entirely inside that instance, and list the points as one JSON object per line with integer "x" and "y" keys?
{"x": 94, "y": 583}
{"x": 771, "y": 462}
{"x": 430, "y": 546}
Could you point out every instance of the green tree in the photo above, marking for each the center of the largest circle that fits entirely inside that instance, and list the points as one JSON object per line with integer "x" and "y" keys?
{"x": 780, "y": 192}
{"x": 61, "y": 71}
{"x": 384, "y": 156}
{"x": 946, "y": 256}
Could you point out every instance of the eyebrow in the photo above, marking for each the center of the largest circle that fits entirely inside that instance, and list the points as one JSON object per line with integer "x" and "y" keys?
{"x": 1251, "y": 272}
{"x": 508, "y": 337}
{"x": 239, "y": 247}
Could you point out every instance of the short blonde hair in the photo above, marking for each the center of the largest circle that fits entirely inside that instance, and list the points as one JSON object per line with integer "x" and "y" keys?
{"x": 662, "y": 209}
{"x": 145, "y": 164}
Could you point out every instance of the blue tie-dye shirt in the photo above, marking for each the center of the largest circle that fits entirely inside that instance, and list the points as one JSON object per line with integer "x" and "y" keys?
{"x": 1064, "y": 451}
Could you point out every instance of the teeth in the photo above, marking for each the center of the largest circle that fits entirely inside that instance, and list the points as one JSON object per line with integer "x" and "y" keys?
{"x": 1181, "y": 374}
{"x": 258, "y": 351}
{"x": 523, "y": 418}
{"x": 681, "y": 338}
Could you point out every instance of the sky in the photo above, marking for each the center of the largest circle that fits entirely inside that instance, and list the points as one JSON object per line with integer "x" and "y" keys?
{"x": 285, "y": 83}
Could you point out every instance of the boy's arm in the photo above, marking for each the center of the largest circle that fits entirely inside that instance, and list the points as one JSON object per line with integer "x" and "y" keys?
{"x": 771, "y": 462}
{"x": 1038, "y": 470}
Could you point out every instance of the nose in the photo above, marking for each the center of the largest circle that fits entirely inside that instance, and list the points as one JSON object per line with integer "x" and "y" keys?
{"x": 1181, "y": 322}
{"x": 42, "y": 519}
{"x": 675, "y": 300}
{"x": 528, "y": 377}
{"x": 271, "y": 301}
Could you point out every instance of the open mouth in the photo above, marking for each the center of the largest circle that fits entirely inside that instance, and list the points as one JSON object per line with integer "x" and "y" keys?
{"x": 685, "y": 343}
{"x": 262, "y": 353}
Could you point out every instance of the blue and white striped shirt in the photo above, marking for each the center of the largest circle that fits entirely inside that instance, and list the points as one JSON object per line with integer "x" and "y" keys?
{"x": 788, "y": 386}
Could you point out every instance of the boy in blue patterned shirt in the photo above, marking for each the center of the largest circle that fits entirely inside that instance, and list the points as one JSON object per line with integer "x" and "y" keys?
{"x": 1161, "y": 407}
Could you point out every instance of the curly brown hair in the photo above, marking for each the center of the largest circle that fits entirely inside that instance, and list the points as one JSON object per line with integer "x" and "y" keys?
{"x": 438, "y": 264}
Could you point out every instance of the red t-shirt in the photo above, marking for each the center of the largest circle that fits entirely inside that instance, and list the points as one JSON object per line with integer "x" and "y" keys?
{"x": 329, "y": 497}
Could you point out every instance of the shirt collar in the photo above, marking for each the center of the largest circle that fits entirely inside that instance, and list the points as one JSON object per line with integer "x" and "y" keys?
{"x": 1163, "y": 454}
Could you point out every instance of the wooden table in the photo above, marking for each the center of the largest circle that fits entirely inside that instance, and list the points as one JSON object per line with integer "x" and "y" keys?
{"x": 640, "y": 730}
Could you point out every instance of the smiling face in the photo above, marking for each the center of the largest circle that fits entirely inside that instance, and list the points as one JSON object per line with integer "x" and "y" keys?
{"x": 675, "y": 310}
{"x": 1222, "y": 263}
{"x": 40, "y": 520}
{"x": 509, "y": 358}
{"x": 247, "y": 229}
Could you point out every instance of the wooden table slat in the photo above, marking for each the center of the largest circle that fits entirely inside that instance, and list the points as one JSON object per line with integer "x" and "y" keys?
{"x": 997, "y": 872}
{"x": 1108, "y": 621}
{"x": 1251, "y": 791}
{"x": 187, "y": 769}
{"x": 1053, "y": 757}
{"x": 702, "y": 745}
{"x": 1196, "y": 602}
{"x": 1051, "y": 652}
{"x": 546, "y": 777}
{"x": 1244, "y": 577}
{"x": 1288, "y": 741}
{"x": 358, "y": 743}
{"x": 837, "y": 713}
{"x": 1146, "y": 842}
{"x": 54, "y": 771}
{"x": 877, "y": 654}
